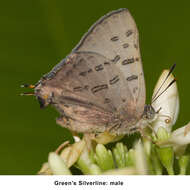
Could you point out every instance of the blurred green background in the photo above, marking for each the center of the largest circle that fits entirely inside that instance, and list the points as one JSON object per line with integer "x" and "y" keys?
{"x": 35, "y": 35}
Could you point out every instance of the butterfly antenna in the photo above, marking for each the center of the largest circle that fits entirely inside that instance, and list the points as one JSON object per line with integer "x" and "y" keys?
{"x": 174, "y": 80}
{"x": 31, "y": 86}
{"x": 171, "y": 70}
{"x": 27, "y": 86}
{"x": 27, "y": 94}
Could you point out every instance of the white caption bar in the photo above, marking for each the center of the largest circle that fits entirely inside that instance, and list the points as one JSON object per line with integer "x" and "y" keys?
{"x": 94, "y": 182}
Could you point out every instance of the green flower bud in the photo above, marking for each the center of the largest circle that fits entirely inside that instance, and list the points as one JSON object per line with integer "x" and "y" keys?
{"x": 166, "y": 156}
{"x": 162, "y": 134}
{"x": 140, "y": 158}
{"x": 130, "y": 158}
{"x": 104, "y": 157}
{"x": 86, "y": 165}
{"x": 119, "y": 153}
{"x": 57, "y": 165}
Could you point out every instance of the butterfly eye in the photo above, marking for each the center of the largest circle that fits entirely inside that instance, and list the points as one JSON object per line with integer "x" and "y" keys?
{"x": 41, "y": 102}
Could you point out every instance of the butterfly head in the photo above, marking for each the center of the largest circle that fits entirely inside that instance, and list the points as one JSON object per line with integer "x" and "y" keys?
{"x": 43, "y": 94}
{"x": 149, "y": 113}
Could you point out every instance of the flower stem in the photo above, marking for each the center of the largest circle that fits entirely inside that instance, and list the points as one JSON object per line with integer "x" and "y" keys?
{"x": 183, "y": 163}
{"x": 170, "y": 170}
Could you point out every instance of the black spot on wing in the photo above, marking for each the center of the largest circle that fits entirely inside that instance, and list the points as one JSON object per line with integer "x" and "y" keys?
{"x": 132, "y": 77}
{"x": 84, "y": 73}
{"x": 126, "y": 45}
{"x": 128, "y": 61}
{"x": 114, "y": 80}
{"x": 106, "y": 63}
{"x": 115, "y": 38}
{"x": 135, "y": 89}
{"x": 89, "y": 71}
{"x": 99, "y": 88}
{"x": 77, "y": 89}
{"x": 99, "y": 67}
{"x": 107, "y": 100}
{"x": 116, "y": 59}
{"x": 86, "y": 87}
{"x": 129, "y": 33}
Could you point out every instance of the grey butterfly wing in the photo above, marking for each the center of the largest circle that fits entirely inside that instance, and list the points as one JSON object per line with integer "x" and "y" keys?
{"x": 101, "y": 82}
{"x": 86, "y": 89}
{"x": 115, "y": 36}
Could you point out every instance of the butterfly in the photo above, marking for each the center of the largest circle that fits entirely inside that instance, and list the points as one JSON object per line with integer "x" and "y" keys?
{"x": 99, "y": 87}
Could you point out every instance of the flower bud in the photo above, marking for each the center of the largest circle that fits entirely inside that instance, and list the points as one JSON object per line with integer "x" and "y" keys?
{"x": 166, "y": 156}
{"x": 57, "y": 165}
{"x": 119, "y": 153}
{"x": 104, "y": 157}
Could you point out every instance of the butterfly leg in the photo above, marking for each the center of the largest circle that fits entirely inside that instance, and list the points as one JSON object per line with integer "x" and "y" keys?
{"x": 151, "y": 128}
{"x": 88, "y": 138}
{"x": 61, "y": 146}
{"x": 144, "y": 135}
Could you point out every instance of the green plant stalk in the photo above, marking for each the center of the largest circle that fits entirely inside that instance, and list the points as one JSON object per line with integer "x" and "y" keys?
{"x": 155, "y": 161}
{"x": 183, "y": 163}
{"x": 149, "y": 164}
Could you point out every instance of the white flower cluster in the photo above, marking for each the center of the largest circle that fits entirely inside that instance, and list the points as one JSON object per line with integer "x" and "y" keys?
{"x": 168, "y": 103}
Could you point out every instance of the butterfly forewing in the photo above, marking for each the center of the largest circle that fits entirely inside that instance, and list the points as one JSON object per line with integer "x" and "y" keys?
{"x": 115, "y": 36}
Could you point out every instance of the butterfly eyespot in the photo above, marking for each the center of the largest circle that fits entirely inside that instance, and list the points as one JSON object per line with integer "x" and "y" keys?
{"x": 167, "y": 121}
